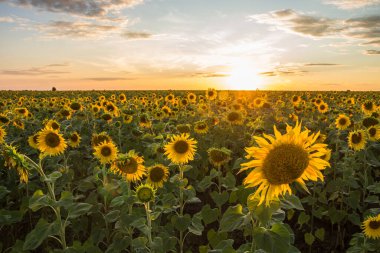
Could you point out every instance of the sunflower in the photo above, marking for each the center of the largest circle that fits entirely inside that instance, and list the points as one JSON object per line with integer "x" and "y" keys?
{"x": 296, "y": 100}
{"x": 192, "y": 97}
{"x": 342, "y": 122}
{"x": 211, "y": 94}
{"x": 33, "y": 141}
{"x": 219, "y": 156}
{"x": 235, "y": 117}
{"x": 183, "y": 128}
{"x": 157, "y": 175}
{"x": 145, "y": 193}
{"x": 374, "y": 133}
{"x": 74, "y": 140}
{"x": 368, "y": 107}
{"x": 52, "y": 124}
{"x": 23, "y": 112}
{"x": 129, "y": 166}
{"x": 357, "y": 140}
{"x": 283, "y": 159}
{"x": 181, "y": 149}
{"x": 19, "y": 124}
{"x": 201, "y": 127}
{"x": 127, "y": 119}
{"x": 97, "y": 139}
{"x": 323, "y": 107}
{"x": 15, "y": 160}
{"x": 2, "y": 134}
{"x": 4, "y": 119}
{"x": 144, "y": 121}
{"x": 371, "y": 227}
{"x": 50, "y": 142}
{"x": 106, "y": 152}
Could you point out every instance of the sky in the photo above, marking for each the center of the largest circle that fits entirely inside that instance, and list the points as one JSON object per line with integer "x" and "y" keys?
{"x": 190, "y": 45}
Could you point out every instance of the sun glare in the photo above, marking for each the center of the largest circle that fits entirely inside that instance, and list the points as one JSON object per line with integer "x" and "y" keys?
{"x": 244, "y": 78}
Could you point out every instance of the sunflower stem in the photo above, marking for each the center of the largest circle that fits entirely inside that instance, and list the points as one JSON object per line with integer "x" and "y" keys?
{"x": 149, "y": 224}
{"x": 51, "y": 191}
{"x": 181, "y": 206}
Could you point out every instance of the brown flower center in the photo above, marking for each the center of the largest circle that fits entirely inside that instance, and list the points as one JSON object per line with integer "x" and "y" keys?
{"x": 52, "y": 140}
{"x": 181, "y": 147}
{"x": 106, "y": 151}
{"x": 374, "y": 224}
{"x": 285, "y": 163}
{"x": 156, "y": 174}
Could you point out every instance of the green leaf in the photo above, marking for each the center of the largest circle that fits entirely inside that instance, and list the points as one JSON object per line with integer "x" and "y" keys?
{"x": 53, "y": 177}
{"x": 232, "y": 219}
{"x": 309, "y": 238}
{"x": 219, "y": 198}
{"x": 66, "y": 199}
{"x": 39, "y": 200}
{"x": 139, "y": 242}
{"x": 181, "y": 223}
{"x": 196, "y": 226}
{"x": 262, "y": 212}
{"x": 112, "y": 216}
{"x": 42, "y": 230}
{"x": 3, "y": 191}
{"x": 303, "y": 218}
{"x": 78, "y": 209}
{"x": 225, "y": 246}
{"x": 335, "y": 215}
{"x": 263, "y": 239}
{"x": 291, "y": 202}
{"x": 276, "y": 240}
{"x": 209, "y": 215}
{"x": 320, "y": 234}
{"x": 214, "y": 237}
{"x": 229, "y": 181}
{"x": 118, "y": 201}
{"x": 8, "y": 217}
{"x": 204, "y": 184}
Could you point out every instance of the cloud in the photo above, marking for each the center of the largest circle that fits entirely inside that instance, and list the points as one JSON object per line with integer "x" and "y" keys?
{"x": 104, "y": 79}
{"x": 136, "y": 35}
{"x": 37, "y": 71}
{"x": 207, "y": 75}
{"x": 375, "y": 43}
{"x": 321, "y": 64}
{"x": 290, "y": 69}
{"x": 84, "y": 8}
{"x": 372, "y": 52}
{"x": 56, "y": 29}
{"x": 364, "y": 28}
{"x": 6, "y": 20}
{"x": 352, "y": 4}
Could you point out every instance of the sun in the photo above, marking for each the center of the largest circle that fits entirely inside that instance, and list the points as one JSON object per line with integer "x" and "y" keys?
{"x": 244, "y": 78}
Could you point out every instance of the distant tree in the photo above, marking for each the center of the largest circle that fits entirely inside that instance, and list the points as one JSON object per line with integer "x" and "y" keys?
{"x": 53, "y": 89}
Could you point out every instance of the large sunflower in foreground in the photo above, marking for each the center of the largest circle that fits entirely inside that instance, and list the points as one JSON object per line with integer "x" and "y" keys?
{"x": 106, "y": 152}
{"x": 181, "y": 149}
{"x": 371, "y": 227}
{"x": 50, "y": 142}
{"x": 129, "y": 166}
{"x": 280, "y": 160}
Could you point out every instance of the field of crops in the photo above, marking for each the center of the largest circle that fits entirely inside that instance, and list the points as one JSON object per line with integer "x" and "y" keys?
{"x": 189, "y": 171}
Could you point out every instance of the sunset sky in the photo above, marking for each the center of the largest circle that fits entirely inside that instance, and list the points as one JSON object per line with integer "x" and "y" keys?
{"x": 183, "y": 44}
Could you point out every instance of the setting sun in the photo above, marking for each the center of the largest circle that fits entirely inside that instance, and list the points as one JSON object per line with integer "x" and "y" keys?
{"x": 244, "y": 78}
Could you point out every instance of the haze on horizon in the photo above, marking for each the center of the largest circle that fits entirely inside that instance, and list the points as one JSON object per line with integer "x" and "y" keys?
{"x": 178, "y": 44}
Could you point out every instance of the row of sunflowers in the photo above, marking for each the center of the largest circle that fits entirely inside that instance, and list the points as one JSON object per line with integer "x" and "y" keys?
{"x": 189, "y": 171}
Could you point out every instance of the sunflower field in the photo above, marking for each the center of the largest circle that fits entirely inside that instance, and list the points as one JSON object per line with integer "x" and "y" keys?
{"x": 189, "y": 171}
